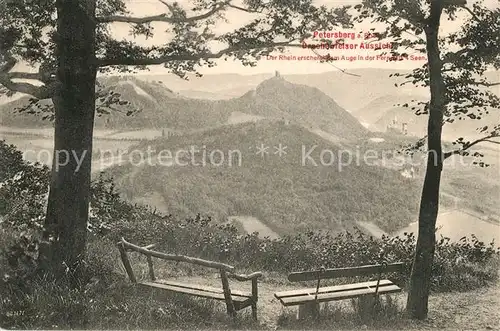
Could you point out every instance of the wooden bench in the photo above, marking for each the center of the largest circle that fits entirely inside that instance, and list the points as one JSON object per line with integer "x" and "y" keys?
{"x": 308, "y": 299}
{"x": 235, "y": 300}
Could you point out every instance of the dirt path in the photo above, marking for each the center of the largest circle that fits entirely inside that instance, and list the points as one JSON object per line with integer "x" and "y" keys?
{"x": 251, "y": 224}
{"x": 372, "y": 229}
{"x": 477, "y": 310}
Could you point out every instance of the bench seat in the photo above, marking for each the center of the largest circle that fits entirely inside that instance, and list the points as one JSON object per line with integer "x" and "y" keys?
{"x": 338, "y": 292}
{"x": 240, "y": 299}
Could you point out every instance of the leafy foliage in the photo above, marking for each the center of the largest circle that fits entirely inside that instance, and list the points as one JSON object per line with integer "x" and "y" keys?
{"x": 29, "y": 34}
{"x": 465, "y": 57}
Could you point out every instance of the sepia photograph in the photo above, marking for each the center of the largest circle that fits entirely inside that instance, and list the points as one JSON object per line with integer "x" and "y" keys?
{"x": 250, "y": 165}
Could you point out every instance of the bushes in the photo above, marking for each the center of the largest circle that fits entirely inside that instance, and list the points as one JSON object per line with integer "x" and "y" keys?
{"x": 466, "y": 264}
{"x": 27, "y": 300}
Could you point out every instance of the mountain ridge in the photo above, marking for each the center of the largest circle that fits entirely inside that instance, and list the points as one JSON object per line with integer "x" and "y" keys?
{"x": 163, "y": 108}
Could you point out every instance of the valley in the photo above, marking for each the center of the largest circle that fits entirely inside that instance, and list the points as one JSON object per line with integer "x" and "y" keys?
{"x": 269, "y": 193}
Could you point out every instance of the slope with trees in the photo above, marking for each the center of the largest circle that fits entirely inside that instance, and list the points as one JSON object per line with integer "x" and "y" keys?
{"x": 291, "y": 193}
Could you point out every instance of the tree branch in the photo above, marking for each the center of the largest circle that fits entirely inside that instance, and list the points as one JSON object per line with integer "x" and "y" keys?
{"x": 243, "y": 9}
{"x": 492, "y": 141}
{"x": 172, "y": 19}
{"x": 159, "y": 18}
{"x": 187, "y": 57}
{"x": 470, "y": 144}
{"x": 487, "y": 84}
{"x": 40, "y": 92}
{"x": 169, "y": 6}
{"x": 24, "y": 75}
{"x": 474, "y": 16}
{"x": 451, "y": 56}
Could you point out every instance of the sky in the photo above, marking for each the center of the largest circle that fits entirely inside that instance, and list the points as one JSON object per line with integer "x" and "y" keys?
{"x": 235, "y": 19}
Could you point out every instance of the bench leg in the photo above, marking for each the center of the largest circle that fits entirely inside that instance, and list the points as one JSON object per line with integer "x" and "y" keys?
{"x": 227, "y": 294}
{"x": 308, "y": 310}
{"x": 367, "y": 306}
{"x": 254, "y": 310}
{"x": 255, "y": 297}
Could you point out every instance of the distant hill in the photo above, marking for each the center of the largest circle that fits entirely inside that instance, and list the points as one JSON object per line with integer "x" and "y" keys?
{"x": 358, "y": 88}
{"x": 224, "y": 95}
{"x": 369, "y": 94}
{"x": 281, "y": 191}
{"x": 224, "y": 84}
{"x": 392, "y": 118}
{"x": 351, "y": 91}
{"x": 163, "y": 108}
{"x": 278, "y": 98}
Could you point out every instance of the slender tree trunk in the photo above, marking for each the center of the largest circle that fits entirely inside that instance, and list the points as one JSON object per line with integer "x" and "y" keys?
{"x": 418, "y": 296}
{"x": 67, "y": 211}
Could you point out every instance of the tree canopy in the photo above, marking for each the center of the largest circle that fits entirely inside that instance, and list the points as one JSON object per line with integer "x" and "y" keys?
{"x": 28, "y": 33}
{"x": 466, "y": 55}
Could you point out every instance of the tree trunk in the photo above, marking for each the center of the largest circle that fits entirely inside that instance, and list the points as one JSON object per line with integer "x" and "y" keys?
{"x": 418, "y": 296}
{"x": 67, "y": 211}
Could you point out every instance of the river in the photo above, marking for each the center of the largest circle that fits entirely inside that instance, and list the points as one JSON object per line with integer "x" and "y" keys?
{"x": 456, "y": 224}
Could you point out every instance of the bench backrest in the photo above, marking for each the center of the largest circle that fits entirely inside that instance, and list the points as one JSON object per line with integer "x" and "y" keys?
{"x": 124, "y": 246}
{"x": 366, "y": 270}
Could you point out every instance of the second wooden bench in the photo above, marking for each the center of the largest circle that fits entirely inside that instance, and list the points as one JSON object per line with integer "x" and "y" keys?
{"x": 308, "y": 299}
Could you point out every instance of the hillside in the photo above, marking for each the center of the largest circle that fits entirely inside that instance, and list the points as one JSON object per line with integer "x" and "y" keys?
{"x": 417, "y": 125}
{"x": 386, "y": 111}
{"x": 281, "y": 191}
{"x": 375, "y": 109}
{"x": 359, "y": 89}
{"x": 11, "y": 118}
{"x": 349, "y": 91}
{"x": 162, "y": 108}
{"x": 277, "y": 98}
{"x": 396, "y": 116}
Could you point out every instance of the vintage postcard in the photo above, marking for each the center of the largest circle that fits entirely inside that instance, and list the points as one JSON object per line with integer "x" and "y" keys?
{"x": 250, "y": 164}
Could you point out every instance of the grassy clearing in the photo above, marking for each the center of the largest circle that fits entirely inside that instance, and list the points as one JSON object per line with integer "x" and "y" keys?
{"x": 119, "y": 305}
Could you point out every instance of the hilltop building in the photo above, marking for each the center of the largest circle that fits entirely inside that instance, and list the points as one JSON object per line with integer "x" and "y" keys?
{"x": 404, "y": 128}
{"x": 393, "y": 126}
{"x": 277, "y": 74}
